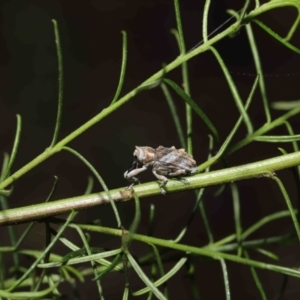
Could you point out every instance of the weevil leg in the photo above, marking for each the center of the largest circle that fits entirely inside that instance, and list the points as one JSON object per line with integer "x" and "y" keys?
{"x": 178, "y": 173}
{"x": 130, "y": 186}
{"x": 163, "y": 179}
{"x": 132, "y": 179}
{"x": 131, "y": 176}
{"x": 183, "y": 180}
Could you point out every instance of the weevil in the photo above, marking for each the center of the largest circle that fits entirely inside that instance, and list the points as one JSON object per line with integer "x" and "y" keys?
{"x": 165, "y": 162}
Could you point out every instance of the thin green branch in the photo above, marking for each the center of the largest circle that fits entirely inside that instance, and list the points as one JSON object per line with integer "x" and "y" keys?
{"x": 274, "y": 240}
{"x": 159, "y": 264}
{"x": 205, "y": 221}
{"x": 205, "y": 20}
{"x": 277, "y": 37}
{"x": 179, "y": 27}
{"x": 197, "y": 205}
{"x": 123, "y": 68}
{"x": 101, "y": 181}
{"x": 226, "y": 279}
{"x": 186, "y": 88}
{"x": 278, "y": 138}
{"x": 234, "y": 91}
{"x": 89, "y": 186}
{"x": 4, "y": 164}
{"x": 285, "y": 105}
{"x": 256, "y": 280}
{"x": 197, "y": 251}
{"x": 265, "y": 220}
{"x": 289, "y": 204}
{"x": 12, "y": 235}
{"x": 48, "y": 248}
{"x": 259, "y": 71}
{"x": 174, "y": 114}
{"x": 296, "y": 169}
{"x": 111, "y": 267}
{"x": 60, "y": 84}
{"x": 144, "y": 277}
{"x": 89, "y": 252}
{"x": 107, "y": 111}
{"x": 28, "y": 295}
{"x": 272, "y": 5}
{"x": 244, "y": 11}
{"x": 178, "y": 61}
{"x": 237, "y": 216}
{"x": 230, "y": 136}
{"x": 188, "y": 109}
{"x": 137, "y": 216}
{"x": 15, "y": 245}
{"x": 164, "y": 278}
{"x": 201, "y": 201}
{"x": 239, "y": 17}
{"x": 237, "y": 124}
{"x": 265, "y": 128}
{"x": 267, "y": 253}
{"x": 294, "y": 27}
{"x": 256, "y": 169}
{"x": 14, "y": 150}
{"x": 282, "y": 289}
{"x": 193, "y": 105}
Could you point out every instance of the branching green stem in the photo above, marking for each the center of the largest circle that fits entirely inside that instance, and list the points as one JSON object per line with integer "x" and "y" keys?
{"x": 257, "y": 169}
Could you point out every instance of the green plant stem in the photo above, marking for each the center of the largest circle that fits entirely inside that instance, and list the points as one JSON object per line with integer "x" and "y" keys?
{"x": 196, "y": 250}
{"x": 177, "y": 62}
{"x": 237, "y": 216}
{"x": 237, "y": 124}
{"x": 101, "y": 181}
{"x": 29, "y": 270}
{"x": 256, "y": 280}
{"x": 225, "y": 278}
{"x": 12, "y": 157}
{"x": 277, "y": 37}
{"x": 60, "y": 84}
{"x": 234, "y": 91}
{"x": 185, "y": 77}
{"x": 93, "y": 263}
{"x": 271, "y": 5}
{"x": 193, "y": 105}
{"x": 259, "y": 71}
{"x": 174, "y": 114}
{"x": 123, "y": 68}
{"x": 107, "y": 111}
{"x": 179, "y": 27}
{"x": 257, "y": 169}
{"x": 289, "y": 204}
{"x": 205, "y": 21}
{"x": 262, "y": 130}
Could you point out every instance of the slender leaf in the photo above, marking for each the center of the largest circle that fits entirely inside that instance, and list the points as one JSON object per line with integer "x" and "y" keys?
{"x": 277, "y": 138}
{"x": 123, "y": 68}
{"x": 194, "y": 106}
{"x": 60, "y": 83}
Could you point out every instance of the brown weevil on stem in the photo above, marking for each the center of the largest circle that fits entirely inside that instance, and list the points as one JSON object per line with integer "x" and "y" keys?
{"x": 165, "y": 162}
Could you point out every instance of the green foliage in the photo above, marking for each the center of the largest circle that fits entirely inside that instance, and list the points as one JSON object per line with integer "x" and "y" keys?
{"x": 239, "y": 243}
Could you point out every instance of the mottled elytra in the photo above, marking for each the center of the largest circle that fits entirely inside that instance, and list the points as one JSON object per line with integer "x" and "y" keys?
{"x": 165, "y": 162}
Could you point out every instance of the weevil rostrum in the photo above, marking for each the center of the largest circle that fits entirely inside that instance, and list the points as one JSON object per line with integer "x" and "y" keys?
{"x": 165, "y": 162}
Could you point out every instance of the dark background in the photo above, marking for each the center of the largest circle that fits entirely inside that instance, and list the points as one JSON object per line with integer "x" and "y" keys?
{"x": 91, "y": 41}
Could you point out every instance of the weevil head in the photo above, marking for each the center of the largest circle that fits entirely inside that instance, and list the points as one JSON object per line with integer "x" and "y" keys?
{"x": 144, "y": 155}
